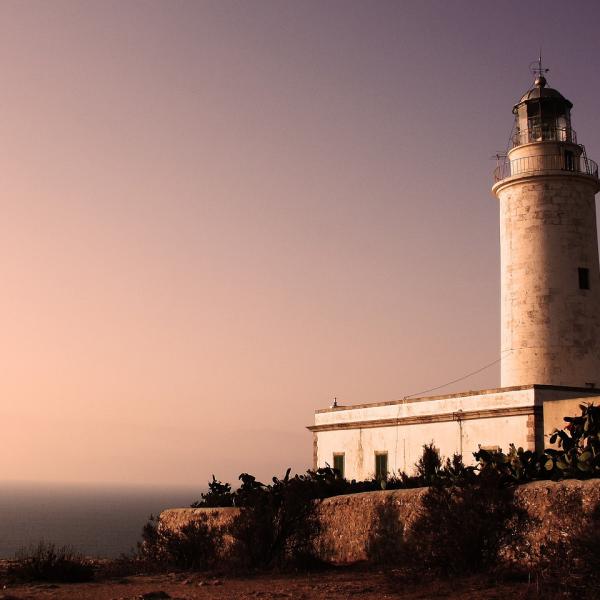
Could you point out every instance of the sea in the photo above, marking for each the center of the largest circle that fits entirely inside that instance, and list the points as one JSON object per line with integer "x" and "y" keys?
{"x": 95, "y": 520}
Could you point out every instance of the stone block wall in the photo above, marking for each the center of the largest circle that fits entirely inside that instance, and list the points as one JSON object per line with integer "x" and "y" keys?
{"x": 174, "y": 519}
{"x": 555, "y": 511}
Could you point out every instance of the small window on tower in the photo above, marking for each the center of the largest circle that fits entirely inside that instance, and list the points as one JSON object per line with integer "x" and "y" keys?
{"x": 584, "y": 278}
{"x": 569, "y": 161}
{"x": 338, "y": 462}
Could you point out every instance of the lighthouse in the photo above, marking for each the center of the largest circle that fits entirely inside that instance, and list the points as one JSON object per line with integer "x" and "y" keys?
{"x": 550, "y": 316}
{"x": 550, "y": 279}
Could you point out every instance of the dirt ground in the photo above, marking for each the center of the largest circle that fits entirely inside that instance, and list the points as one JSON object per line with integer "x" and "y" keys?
{"x": 334, "y": 584}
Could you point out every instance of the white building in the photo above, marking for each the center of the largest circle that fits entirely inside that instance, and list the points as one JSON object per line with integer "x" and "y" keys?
{"x": 550, "y": 315}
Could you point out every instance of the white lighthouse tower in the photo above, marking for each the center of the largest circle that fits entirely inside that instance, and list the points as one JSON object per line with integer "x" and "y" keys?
{"x": 550, "y": 279}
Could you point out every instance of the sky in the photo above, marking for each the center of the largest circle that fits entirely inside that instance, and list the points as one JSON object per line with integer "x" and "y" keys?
{"x": 217, "y": 216}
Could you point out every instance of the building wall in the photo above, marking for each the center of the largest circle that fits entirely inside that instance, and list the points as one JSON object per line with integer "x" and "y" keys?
{"x": 456, "y": 423}
{"x": 404, "y": 444}
{"x": 550, "y": 328}
{"x": 524, "y": 416}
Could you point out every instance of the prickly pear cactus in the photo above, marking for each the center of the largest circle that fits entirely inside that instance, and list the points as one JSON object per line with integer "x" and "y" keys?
{"x": 578, "y": 453}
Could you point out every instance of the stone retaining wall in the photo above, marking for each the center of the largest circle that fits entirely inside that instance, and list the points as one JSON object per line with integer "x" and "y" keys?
{"x": 175, "y": 518}
{"x": 555, "y": 511}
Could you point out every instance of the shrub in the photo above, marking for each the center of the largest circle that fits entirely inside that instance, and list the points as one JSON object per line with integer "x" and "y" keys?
{"x": 196, "y": 545}
{"x": 429, "y": 465}
{"x": 579, "y": 446}
{"x": 278, "y": 525}
{"x": 517, "y": 466}
{"x": 385, "y": 544}
{"x": 432, "y": 470}
{"x": 219, "y": 494}
{"x": 454, "y": 471}
{"x": 48, "y": 562}
{"x": 577, "y": 455}
{"x": 461, "y": 528}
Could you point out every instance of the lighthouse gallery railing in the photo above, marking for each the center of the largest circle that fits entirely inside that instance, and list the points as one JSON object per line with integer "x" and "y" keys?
{"x": 547, "y": 162}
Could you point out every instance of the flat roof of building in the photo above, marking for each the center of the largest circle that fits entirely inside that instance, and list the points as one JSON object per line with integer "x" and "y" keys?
{"x": 585, "y": 391}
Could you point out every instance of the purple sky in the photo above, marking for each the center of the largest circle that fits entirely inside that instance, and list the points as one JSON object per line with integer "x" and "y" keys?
{"x": 217, "y": 216}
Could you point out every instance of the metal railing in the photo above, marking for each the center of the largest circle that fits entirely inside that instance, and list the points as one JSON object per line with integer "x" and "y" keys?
{"x": 541, "y": 133}
{"x": 547, "y": 162}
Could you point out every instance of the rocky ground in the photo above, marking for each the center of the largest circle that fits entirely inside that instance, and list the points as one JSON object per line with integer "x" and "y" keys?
{"x": 333, "y": 584}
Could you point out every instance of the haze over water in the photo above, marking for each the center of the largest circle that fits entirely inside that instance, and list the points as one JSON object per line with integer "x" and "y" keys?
{"x": 97, "y": 520}
{"x": 217, "y": 216}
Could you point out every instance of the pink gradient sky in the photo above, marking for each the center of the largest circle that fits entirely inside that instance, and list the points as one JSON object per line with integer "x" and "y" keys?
{"x": 217, "y": 216}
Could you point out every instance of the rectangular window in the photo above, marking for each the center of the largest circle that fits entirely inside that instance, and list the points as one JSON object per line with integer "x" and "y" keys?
{"x": 338, "y": 462}
{"x": 381, "y": 465}
{"x": 584, "y": 279}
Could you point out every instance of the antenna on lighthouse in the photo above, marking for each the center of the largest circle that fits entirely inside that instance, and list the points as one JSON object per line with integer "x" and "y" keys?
{"x": 538, "y": 70}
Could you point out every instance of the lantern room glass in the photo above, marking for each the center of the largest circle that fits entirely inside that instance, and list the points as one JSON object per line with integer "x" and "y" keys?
{"x": 544, "y": 119}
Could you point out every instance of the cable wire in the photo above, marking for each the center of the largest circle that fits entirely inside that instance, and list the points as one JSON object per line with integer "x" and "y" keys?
{"x": 401, "y": 404}
{"x": 439, "y": 387}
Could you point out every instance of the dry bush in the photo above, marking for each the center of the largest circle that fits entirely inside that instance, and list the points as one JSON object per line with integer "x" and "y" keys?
{"x": 48, "y": 562}
{"x": 386, "y": 540}
{"x": 196, "y": 546}
{"x": 462, "y": 528}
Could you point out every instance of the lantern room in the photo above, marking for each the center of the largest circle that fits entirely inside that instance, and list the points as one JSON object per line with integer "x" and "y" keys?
{"x": 542, "y": 114}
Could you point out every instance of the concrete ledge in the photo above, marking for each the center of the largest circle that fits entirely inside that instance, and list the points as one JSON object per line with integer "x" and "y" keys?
{"x": 434, "y": 418}
{"x": 515, "y": 388}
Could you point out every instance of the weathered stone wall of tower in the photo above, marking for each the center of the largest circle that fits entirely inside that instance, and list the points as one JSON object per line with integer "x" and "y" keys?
{"x": 550, "y": 327}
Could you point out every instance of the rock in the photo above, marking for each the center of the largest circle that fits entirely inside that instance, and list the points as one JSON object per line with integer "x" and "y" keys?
{"x": 160, "y": 595}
